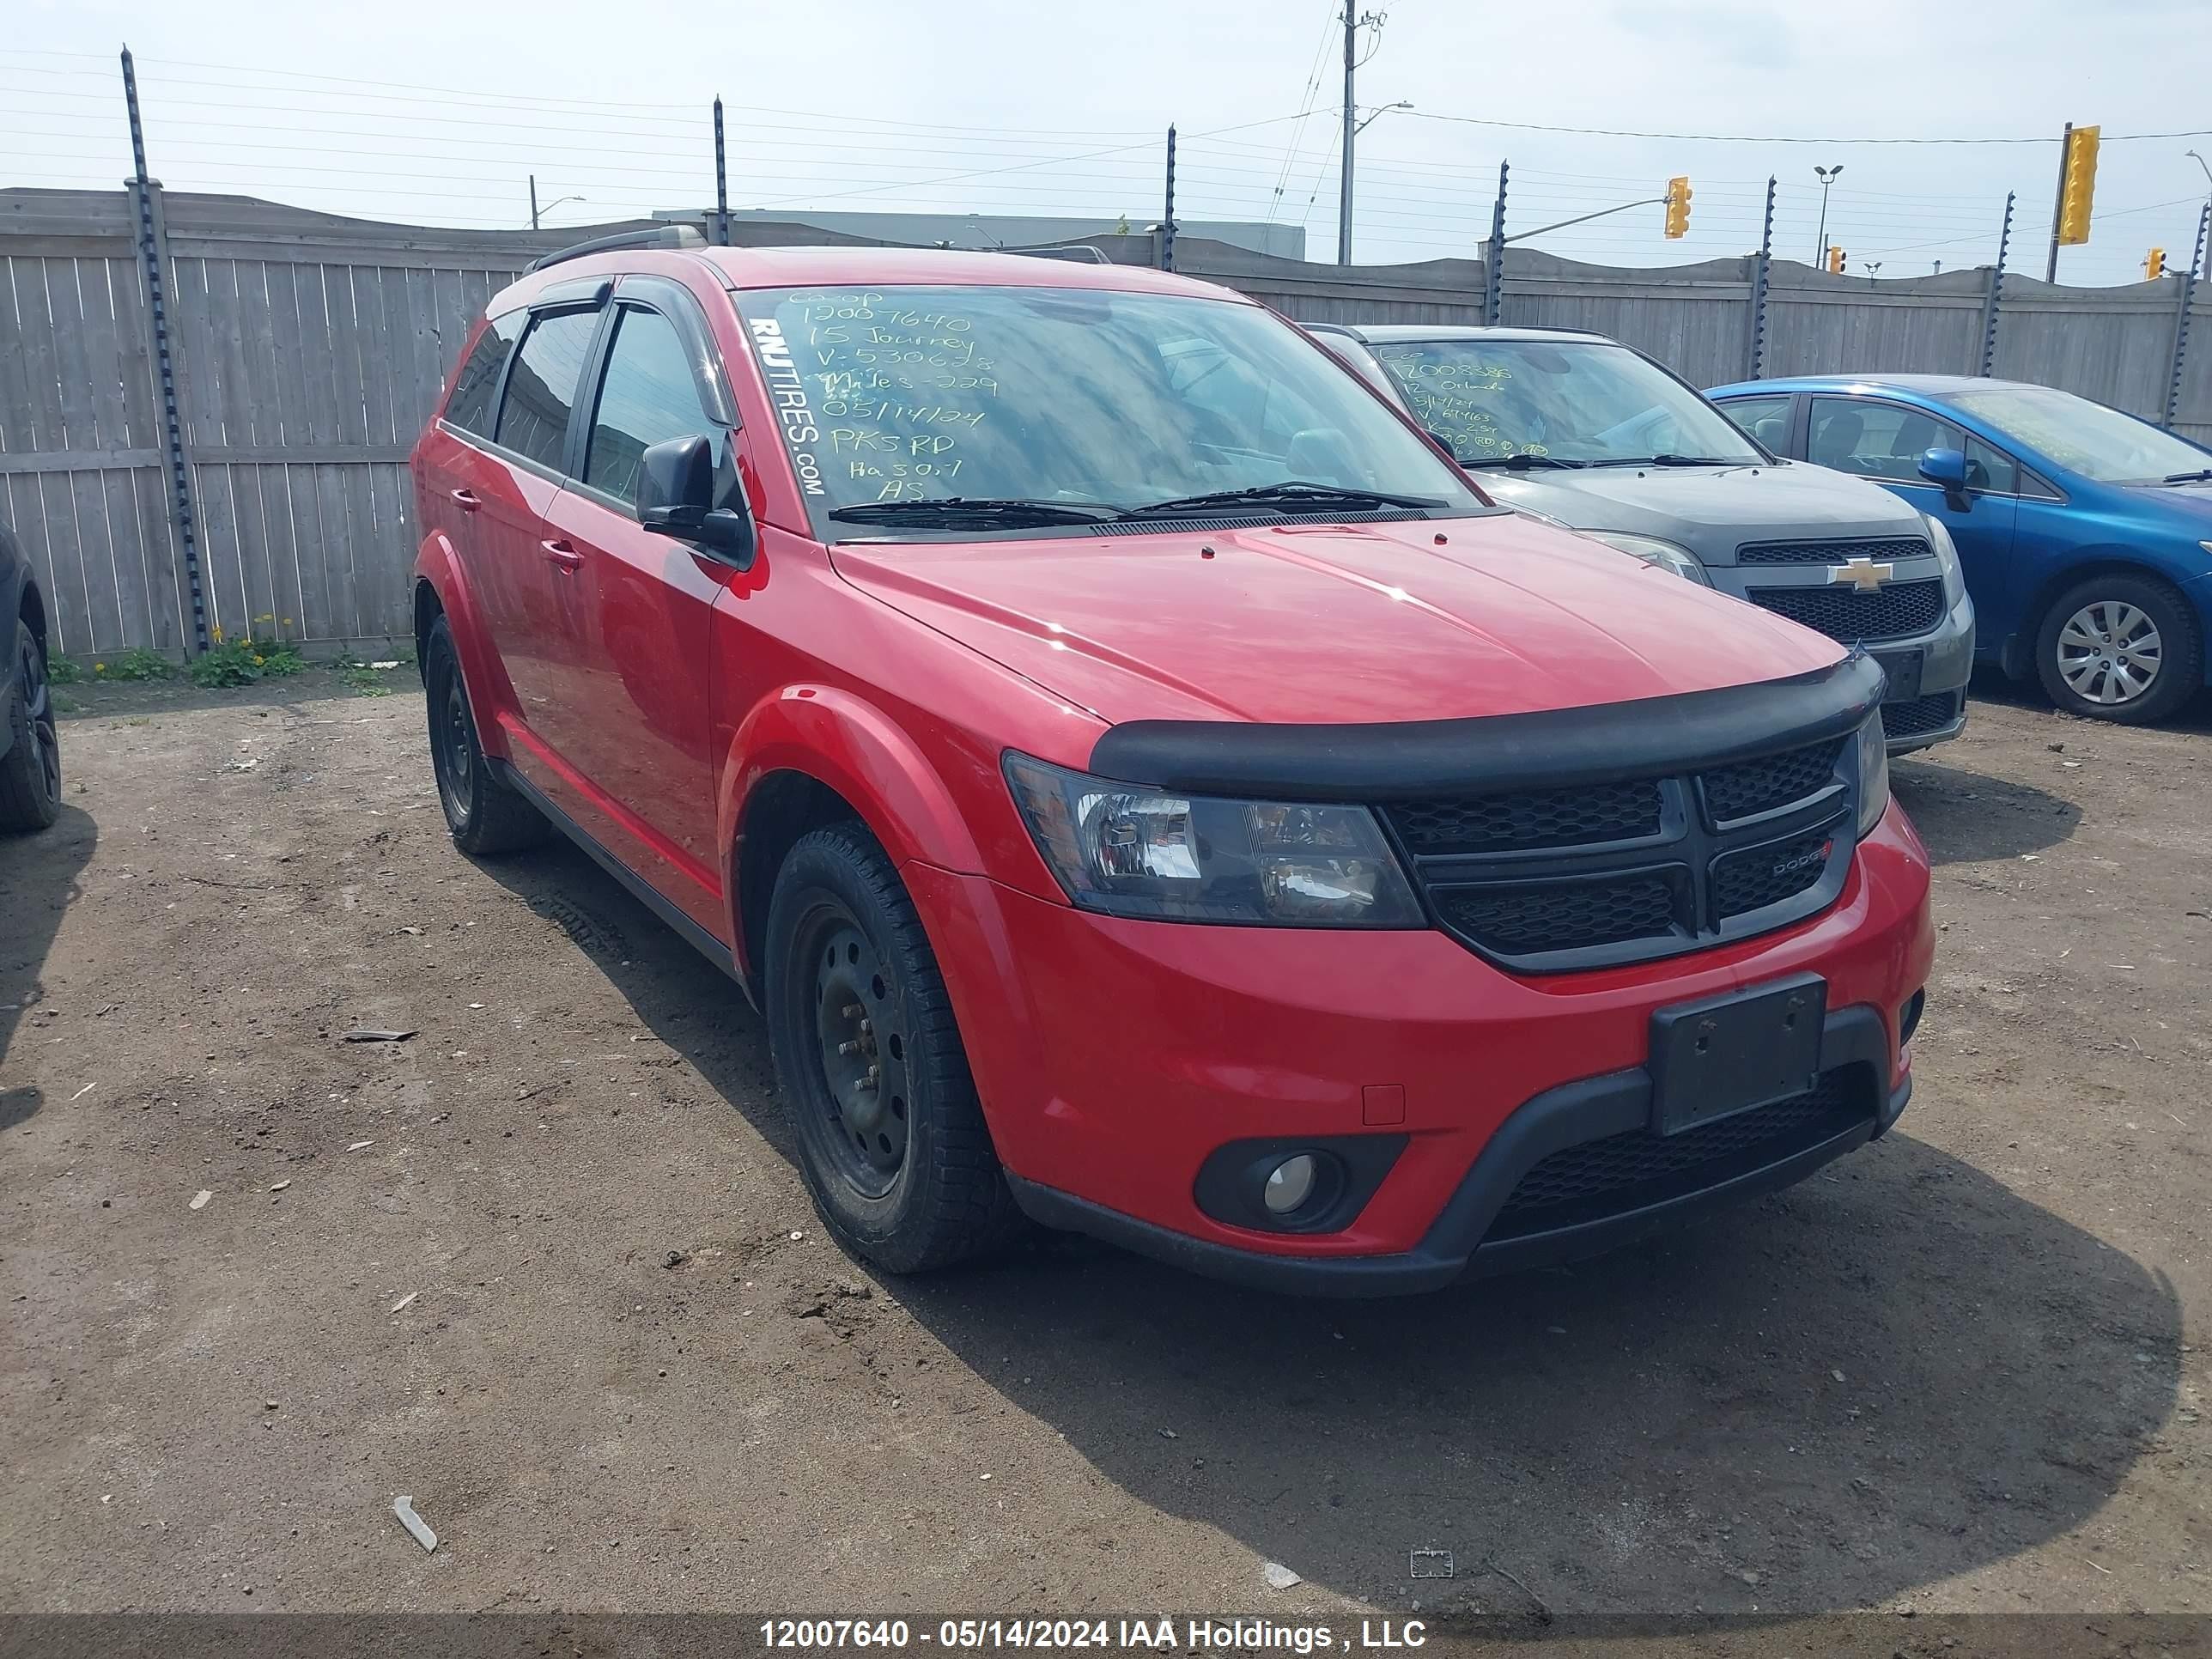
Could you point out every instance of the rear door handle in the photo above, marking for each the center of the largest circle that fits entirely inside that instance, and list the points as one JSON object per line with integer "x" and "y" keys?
{"x": 468, "y": 500}
{"x": 562, "y": 554}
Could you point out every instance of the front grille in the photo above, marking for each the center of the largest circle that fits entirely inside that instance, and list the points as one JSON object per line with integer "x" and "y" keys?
{"x": 1887, "y": 551}
{"x": 1913, "y": 716}
{"x": 1560, "y": 916}
{"x": 1760, "y": 876}
{"x": 1530, "y": 822}
{"x": 1633, "y": 1170}
{"x": 1559, "y": 879}
{"x": 1760, "y": 786}
{"x": 1842, "y": 613}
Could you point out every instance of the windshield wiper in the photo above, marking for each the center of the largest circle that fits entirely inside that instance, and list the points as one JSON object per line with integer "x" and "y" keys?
{"x": 1291, "y": 492}
{"x": 1010, "y": 509}
{"x": 1673, "y": 460}
{"x": 2202, "y": 476}
{"x": 1519, "y": 463}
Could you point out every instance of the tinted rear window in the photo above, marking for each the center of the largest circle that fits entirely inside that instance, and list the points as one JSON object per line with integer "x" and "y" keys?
{"x": 533, "y": 421}
{"x": 477, "y": 384}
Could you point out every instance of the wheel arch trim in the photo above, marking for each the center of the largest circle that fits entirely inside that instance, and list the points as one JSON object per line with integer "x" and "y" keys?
{"x": 851, "y": 747}
{"x": 438, "y": 568}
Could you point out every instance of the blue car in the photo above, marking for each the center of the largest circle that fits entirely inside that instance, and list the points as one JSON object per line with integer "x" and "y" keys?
{"x": 2085, "y": 534}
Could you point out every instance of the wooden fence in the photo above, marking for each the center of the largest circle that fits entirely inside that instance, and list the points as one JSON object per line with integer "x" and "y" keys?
{"x": 307, "y": 350}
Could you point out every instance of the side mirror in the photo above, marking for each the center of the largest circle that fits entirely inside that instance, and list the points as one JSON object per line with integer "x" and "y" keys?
{"x": 1947, "y": 469}
{"x": 676, "y": 498}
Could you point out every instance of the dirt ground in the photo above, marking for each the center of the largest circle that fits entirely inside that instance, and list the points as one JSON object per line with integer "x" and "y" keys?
{"x": 546, "y": 1266}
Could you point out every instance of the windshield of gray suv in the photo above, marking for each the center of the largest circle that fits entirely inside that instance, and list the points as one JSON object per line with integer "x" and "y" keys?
{"x": 932, "y": 409}
{"x": 1563, "y": 403}
{"x": 2097, "y": 442}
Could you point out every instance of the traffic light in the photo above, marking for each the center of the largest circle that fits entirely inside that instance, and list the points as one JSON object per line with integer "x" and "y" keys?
{"x": 1678, "y": 207}
{"x": 1835, "y": 260}
{"x": 2154, "y": 264}
{"x": 2080, "y": 187}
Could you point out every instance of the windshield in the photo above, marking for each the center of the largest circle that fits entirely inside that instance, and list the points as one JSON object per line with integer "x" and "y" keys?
{"x": 2097, "y": 442}
{"x": 1572, "y": 401}
{"x": 1076, "y": 396}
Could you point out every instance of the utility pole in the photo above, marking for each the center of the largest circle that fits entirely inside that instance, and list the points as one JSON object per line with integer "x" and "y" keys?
{"x": 533, "y": 201}
{"x": 1354, "y": 21}
{"x": 1344, "y": 171}
{"x": 2058, "y": 202}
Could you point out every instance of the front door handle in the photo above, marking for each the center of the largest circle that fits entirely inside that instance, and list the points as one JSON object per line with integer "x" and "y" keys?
{"x": 562, "y": 554}
{"x": 468, "y": 500}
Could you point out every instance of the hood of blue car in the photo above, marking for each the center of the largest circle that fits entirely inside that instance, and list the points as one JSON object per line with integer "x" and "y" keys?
{"x": 1711, "y": 510}
{"x": 2192, "y": 502}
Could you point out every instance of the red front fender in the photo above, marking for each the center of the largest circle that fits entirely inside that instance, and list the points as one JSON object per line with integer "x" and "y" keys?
{"x": 490, "y": 692}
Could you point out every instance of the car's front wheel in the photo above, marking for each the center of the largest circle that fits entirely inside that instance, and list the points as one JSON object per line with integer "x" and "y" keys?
{"x": 31, "y": 770}
{"x": 891, "y": 1137}
{"x": 2124, "y": 648}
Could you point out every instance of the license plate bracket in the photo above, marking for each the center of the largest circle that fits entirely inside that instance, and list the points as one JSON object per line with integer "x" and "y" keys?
{"x": 1903, "y": 668}
{"x": 1735, "y": 1052}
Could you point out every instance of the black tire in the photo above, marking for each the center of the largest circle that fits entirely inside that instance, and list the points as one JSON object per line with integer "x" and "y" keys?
{"x": 486, "y": 815}
{"x": 903, "y": 1173}
{"x": 2084, "y": 651}
{"x": 31, "y": 770}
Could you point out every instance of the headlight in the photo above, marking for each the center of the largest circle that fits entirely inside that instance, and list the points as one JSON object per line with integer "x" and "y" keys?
{"x": 1947, "y": 554}
{"x": 1649, "y": 549}
{"x": 1874, "y": 774}
{"x": 1130, "y": 851}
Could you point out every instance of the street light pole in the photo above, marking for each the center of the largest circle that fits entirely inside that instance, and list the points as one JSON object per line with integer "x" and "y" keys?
{"x": 1827, "y": 177}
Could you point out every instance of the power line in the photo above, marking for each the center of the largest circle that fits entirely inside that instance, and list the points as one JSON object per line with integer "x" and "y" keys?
{"x": 1750, "y": 138}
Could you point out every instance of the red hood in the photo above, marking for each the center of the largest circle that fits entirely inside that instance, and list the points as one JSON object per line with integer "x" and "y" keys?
{"x": 1316, "y": 623}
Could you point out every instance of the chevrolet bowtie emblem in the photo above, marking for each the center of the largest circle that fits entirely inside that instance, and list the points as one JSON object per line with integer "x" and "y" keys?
{"x": 1864, "y": 575}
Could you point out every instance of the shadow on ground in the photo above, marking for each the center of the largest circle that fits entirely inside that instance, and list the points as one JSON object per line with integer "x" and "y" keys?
{"x": 1965, "y": 815}
{"x": 1994, "y": 686}
{"x": 38, "y": 879}
{"x": 1835, "y": 1397}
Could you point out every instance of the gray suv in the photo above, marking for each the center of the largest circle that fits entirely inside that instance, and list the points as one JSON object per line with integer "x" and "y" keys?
{"x": 1584, "y": 431}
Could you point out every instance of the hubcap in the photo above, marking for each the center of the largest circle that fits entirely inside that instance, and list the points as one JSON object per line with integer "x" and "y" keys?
{"x": 39, "y": 701}
{"x": 454, "y": 749}
{"x": 2109, "y": 652}
{"x": 862, "y": 1052}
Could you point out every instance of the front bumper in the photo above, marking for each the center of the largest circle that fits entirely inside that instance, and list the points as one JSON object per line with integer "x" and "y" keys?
{"x": 1927, "y": 703}
{"x": 1114, "y": 1057}
{"x": 1457, "y": 1245}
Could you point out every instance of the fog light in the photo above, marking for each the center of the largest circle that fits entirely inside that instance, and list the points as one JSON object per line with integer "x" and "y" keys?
{"x": 1290, "y": 1183}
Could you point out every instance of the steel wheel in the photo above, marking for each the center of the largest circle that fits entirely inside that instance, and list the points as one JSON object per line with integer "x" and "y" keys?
{"x": 456, "y": 754}
{"x": 38, "y": 706}
{"x": 876, "y": 1088}
{"x": 861, "y": 1105}
{"x": 2110, "y": 652}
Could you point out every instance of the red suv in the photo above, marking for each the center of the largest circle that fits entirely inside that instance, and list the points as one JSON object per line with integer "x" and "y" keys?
{"x": 1143, "y": 786}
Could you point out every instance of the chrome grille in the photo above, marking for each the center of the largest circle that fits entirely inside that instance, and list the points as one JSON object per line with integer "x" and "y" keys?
{"x": 1886, "y": 550}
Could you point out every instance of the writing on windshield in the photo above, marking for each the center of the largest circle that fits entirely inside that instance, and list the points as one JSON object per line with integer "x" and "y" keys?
{"x": 1063, "y": 396}
{"x": 1572, "y": 400}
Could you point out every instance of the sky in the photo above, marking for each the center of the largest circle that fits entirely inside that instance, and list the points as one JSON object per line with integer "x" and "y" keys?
{"x": 439, "y": 113}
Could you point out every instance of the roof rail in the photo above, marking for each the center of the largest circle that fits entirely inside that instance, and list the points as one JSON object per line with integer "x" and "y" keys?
{"x": 664, "y": 236}
{"x": 1081, "y": 252}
